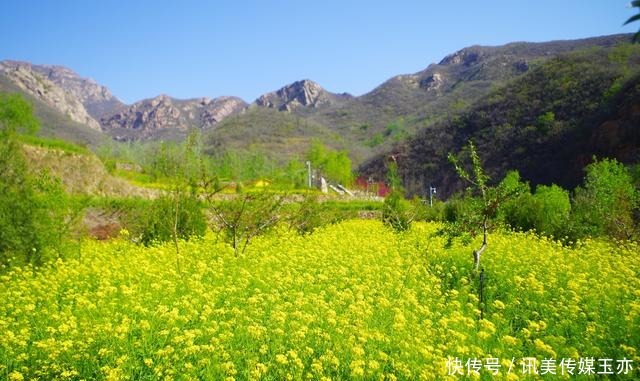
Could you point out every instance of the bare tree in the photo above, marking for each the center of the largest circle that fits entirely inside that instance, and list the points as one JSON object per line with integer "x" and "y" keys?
{"x": 246, "y": 217}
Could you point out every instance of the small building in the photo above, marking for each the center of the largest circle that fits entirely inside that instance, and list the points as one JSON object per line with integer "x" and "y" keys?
{"x": 378, "y": 188}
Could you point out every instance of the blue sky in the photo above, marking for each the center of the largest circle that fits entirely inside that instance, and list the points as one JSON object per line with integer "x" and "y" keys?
{"x": 187, "y": 49}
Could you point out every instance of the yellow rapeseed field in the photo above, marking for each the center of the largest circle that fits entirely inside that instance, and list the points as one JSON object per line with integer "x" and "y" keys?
{"x": 350, "y": 301}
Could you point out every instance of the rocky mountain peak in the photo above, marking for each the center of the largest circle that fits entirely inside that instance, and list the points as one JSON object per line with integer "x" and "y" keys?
{"x": 304, "y": 93}
{"x": 96, "y": 99}
{"x": 214, "y": 111}
{"x": 466, "y": 57}
{"x": 161, "y": 100}
{"x": 147, "y": 118}
{"x": 35, "y": 83}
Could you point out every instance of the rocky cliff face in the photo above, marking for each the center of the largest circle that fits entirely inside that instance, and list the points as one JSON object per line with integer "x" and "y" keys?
{"x": 149, "y": 117}
{"x": 97, "y": 99}
{"x": 303, "y": 93}
{"x": 434, "y": 82}
{"x": 86, "y": 102}
{"x": 40, "y": 86}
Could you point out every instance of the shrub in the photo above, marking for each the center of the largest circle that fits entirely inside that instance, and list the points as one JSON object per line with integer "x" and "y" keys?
{"x": 397, "y": 212}
{"x": 424, "y": 212}
{"x": 308, "y": 214}
{"x": 456, "y": 208}
{"x": 546, "y": 211}
{"x": 157, "y": 220}
{"x": 35, "y": 213}
{"x": 553, "y": 209}
{"x": 19, "y": 236}
{"x": 519, "y": 213}
{"x": 605, "y": 203}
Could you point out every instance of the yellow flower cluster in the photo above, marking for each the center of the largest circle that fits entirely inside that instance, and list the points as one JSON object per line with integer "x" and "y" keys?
{"x": 350, "y": 301}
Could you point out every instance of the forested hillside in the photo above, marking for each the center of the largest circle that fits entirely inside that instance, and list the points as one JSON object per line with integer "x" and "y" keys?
{"x": 547, "y": 124}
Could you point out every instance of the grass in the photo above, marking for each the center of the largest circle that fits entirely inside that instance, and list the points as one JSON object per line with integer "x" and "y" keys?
{"x": 53, "y": 143}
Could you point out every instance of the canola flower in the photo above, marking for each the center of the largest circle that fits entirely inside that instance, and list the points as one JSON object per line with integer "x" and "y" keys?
{"x": 350, "y": 301}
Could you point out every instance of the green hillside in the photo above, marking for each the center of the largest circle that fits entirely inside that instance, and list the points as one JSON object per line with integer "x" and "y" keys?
{"x": 547, "y": 124}
{"x": 55, "y": 124}
{"x": 278, "y": 134}
{"x": 401, "y": 107}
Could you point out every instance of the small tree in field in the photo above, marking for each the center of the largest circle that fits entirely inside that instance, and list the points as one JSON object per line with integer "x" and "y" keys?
{"x": 396, "y": 211}
{"x": 483, "y": 209}
{"x": 246, "y": 217}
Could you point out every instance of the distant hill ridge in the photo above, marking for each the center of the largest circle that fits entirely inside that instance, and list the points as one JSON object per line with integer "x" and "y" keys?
{"x": 368, "y": 125}
{"x": 547, "y": 123}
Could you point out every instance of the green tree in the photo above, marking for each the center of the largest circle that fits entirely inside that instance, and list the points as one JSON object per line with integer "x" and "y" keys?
{"x": 396, "y": 130}
{"x": 295, "y": 174}
{"x": 19, "y": 234}
{"x": 335, "y": 165}
{"x": 393, "y": 176}
{"x": 517, "y": 212}
{"x": 605, "y": 203}
{"x": 18, "y": 216}
{"x": 59, "y": 215}
{"x": 546, "y": 122}
{"x": 397, "y": 212}
{"x": 164, "y": 161}
{"x": 37, "y": 217}
{"x": 194, "y": 165}
{"x": 635, "y": 4}
{"x": 482, "y": 210}
{"x": 173, "y": 216}
{"x": 317, "y": 153}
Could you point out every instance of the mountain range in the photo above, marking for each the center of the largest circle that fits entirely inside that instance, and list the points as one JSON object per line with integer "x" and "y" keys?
{"x": 419, "y": 117}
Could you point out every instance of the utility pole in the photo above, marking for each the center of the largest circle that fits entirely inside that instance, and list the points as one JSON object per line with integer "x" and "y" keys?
{"x": 309, "y": 173}
{"x": 432, "y": 191}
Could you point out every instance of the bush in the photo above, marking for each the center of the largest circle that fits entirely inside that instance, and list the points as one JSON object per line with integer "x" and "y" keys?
{"x": 546, "y": 211}
{"x": 553, "y": 209}
{"x": 456, "y": 208}
{"x": 36, "y": 215}
{"x": 422, "y": 211}
{"x": 397, "y": 212}
{"x": 308, "y": 214}
{"x": 606, "y": 202}
{"x": 520, "y": 213}
{"x": 157, "y": 220}
{"x": 19, "y": 236}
